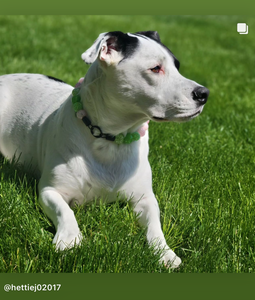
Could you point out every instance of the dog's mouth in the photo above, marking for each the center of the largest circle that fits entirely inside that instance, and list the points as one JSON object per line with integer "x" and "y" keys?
{"x": 192, "y": 115}
{"x": 185, "y": 118}
{"x": 178, "y": 118}
{"x": 157, "y": 119}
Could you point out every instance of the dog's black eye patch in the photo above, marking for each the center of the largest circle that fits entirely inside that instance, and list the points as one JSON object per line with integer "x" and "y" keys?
{"x": 56, "y": 79}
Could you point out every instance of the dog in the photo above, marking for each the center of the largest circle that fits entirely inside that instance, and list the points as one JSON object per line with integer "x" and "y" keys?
{"x": 91, "y": 142}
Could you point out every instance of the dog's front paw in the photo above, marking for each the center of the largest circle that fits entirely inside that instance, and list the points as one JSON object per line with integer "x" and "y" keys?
{"x": 170, "y": 259}
{"x": 66, "y": 240}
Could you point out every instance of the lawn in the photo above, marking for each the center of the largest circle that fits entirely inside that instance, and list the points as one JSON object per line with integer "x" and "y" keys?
{"x": 203, "y": 170}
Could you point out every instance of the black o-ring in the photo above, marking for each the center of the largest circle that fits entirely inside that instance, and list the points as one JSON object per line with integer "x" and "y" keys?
{"x": 93, "y": 133}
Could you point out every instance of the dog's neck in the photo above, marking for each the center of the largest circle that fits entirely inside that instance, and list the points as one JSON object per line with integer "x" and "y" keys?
{"x": 100, "y": 111}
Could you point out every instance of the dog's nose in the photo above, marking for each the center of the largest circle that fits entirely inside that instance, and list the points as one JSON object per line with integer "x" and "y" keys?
{"x": 200, "y": 94}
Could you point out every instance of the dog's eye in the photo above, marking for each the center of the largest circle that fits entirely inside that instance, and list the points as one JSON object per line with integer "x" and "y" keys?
{"x": 156, "y": 69}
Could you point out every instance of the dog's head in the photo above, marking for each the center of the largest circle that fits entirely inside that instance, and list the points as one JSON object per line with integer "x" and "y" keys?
{"x": 143, "y": 75}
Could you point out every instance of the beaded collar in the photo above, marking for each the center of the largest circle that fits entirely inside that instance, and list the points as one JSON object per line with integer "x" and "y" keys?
{"x": 96, "y": 130}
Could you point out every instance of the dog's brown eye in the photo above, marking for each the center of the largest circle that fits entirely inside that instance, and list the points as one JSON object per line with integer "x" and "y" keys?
{"x": 156, "y": 69}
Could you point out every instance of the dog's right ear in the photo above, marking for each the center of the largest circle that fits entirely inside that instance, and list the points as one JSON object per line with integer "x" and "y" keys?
{"x": 90, "y": 55}
{"x": 110, "y": 48}
{"x": 151, "y": 34}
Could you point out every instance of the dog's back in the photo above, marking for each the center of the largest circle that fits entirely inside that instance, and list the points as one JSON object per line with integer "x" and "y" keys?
{"x": 26, "y": 101}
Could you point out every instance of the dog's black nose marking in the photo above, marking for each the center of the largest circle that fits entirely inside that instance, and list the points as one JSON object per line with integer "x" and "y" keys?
{"x": 200, "y": 94}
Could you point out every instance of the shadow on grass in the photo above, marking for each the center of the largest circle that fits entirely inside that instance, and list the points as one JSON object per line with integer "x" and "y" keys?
{"x": 15, "y": 173}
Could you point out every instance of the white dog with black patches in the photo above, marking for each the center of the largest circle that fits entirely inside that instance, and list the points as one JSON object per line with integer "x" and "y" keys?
{"x": 91, "y": 142}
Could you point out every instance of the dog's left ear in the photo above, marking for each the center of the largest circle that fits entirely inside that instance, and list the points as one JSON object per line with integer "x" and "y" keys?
{"x": 151, "y": 34}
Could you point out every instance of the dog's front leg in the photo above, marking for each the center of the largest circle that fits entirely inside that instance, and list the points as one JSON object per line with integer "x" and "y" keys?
{"x": 55, "y": 207}
{"x": 148, "y": 213}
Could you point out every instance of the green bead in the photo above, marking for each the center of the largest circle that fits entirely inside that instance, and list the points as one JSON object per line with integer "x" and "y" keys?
{"x": 136, "y": 136}
{"x": 119, "y": 139}
{"x": 76, "y": 99}
{"x": 75, "y": 92}
{"x": 77, "y": 106}
{"x": 128, "y": 138}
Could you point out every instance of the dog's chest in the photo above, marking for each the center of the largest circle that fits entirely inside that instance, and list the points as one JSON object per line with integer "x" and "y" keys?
{"x": 103, "y": 174}
{"x": 107, "y": 182}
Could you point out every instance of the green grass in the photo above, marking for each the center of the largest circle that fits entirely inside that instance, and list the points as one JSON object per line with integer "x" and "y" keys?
{"x": 203, "y": 170}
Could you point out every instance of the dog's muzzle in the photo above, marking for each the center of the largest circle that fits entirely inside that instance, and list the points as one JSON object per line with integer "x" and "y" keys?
{"x": 200, "y": 94}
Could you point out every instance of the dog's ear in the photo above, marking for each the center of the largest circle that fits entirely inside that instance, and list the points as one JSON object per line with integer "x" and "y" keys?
{"x": 110, "y": 48}
{"x": 107, "y": 48}
{"x": 90, "y": 55}
{"x": 151, "y": 34}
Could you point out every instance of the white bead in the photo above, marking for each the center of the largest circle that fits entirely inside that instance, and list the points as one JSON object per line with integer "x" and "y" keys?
{"x": 78, "y": 84}
{"x": 80, "y": 114}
